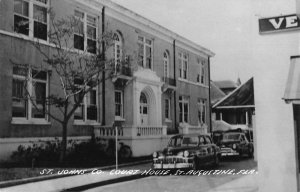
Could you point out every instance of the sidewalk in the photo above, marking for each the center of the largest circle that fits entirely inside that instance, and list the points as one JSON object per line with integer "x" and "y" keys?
{"x": 96, "y": 177}
{"x": 248, "y": 183}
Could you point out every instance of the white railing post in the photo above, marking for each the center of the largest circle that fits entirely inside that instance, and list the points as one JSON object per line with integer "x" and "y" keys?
{"x": 164, "y": 130}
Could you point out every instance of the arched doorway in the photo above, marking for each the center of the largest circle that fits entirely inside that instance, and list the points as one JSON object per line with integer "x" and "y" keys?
{"x": 144, "y": 109}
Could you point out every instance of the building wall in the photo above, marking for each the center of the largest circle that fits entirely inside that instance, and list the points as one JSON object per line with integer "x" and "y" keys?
{"x": 16, "y": 48}
{"x": 274, "y": 118}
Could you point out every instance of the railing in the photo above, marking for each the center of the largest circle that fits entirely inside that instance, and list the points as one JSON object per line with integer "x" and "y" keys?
{"x": 123, "y": 70}
{"x": 129, "y": 131}
{"x": 169, "y": 81}
{"x": 151, "y": 131}
{"x": 107, "y": 131}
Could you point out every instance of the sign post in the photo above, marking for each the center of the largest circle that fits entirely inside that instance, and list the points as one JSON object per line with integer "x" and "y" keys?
{"x": 116, "y": 128}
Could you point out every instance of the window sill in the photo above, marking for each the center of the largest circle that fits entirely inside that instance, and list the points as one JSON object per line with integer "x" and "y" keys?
{"x": 42, "y": 42}
{"x": 21, "y": 121}
{"x": 118, "y": 118}
{"x": 80, "y": 122}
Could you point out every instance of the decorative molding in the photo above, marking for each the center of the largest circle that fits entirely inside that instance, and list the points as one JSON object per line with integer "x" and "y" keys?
{"x": 193, "y": 83}
{"x": 23, "y": 121}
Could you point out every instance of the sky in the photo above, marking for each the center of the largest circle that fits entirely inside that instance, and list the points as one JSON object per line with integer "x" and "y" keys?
{"x": 229, "y": 28}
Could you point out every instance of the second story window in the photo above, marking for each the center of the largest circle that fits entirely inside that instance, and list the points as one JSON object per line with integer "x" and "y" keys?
{"x": 166, "y": 66}
{"x": 145, "y": 52}
{"x": 117, "y": 51}
{"x": 201, "y": 74}
{"x": 85, "y": 32}
{"x": 31, "y": 18}
{"x": 183, "y": 65}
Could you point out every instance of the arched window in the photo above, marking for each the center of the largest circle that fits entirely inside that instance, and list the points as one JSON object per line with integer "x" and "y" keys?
{"x": 143, "y": 104}
{"x": 166, "y": 65}
{"x": 117, "y": 50}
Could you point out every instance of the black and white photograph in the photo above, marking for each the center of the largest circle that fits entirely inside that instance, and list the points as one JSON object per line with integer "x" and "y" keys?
{"x": 149, "y": 96}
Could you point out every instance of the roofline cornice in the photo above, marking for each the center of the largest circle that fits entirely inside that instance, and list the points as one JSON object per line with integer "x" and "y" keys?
{"x": 129, "y": 17}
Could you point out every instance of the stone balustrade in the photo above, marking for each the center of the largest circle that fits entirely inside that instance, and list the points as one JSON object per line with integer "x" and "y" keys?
{"x": 129, "y": 131}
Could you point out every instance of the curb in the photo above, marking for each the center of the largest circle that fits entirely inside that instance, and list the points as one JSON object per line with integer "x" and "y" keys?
{"x": 48, "y": 177}
{"x": 106, "y": 182}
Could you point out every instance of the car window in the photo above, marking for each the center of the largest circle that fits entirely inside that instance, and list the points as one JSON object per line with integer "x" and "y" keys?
{"x": 175, "y": 142}
{"x": 207, "y": 140}
{"x": 231, "y": 136}
{"x": 244, "y": 138}
{"x": 202, "y": 141}
{"x": 190, "y": 141}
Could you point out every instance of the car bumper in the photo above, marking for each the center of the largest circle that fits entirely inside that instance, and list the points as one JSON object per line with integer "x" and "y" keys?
{"x": 228, "y": 152}
{"x": 172, "y": 166}
{"x": 172, "y": 162}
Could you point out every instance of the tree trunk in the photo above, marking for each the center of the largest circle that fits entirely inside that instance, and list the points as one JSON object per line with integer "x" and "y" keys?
{"x": 63, "y": 149}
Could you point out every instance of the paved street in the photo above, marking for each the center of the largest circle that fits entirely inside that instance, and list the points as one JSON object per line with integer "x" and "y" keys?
{"x": 184, "y": 182}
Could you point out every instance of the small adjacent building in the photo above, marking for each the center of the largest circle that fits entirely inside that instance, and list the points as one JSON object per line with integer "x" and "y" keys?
{"x": 238, "y": 106}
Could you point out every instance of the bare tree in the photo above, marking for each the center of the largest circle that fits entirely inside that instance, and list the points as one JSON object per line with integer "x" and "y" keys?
{"x": 78, "y": 71}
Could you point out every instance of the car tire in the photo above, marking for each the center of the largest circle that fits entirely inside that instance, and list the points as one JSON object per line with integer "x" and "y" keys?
{"x": 195, "y": 164}
{"x": 217, "y": 161}
{"x": 125, "y": 152}
{"x": 251, "y": 152}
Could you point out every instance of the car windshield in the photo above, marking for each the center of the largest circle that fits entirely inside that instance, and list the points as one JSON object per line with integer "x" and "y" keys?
{"x": 231, "y": 137}
{"x": 184, "y": 141}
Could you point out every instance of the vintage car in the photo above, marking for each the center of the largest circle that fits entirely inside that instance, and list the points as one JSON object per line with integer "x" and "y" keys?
{"x": 189, "y": 151}
{"x": 236, "y": 144}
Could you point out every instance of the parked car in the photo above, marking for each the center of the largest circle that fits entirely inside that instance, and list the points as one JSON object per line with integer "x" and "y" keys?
{"x": 187, "y": 151}
{"x": 236, "y": 144}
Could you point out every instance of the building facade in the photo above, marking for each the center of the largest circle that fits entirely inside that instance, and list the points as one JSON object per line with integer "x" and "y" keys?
{"x": 163, "y": 89}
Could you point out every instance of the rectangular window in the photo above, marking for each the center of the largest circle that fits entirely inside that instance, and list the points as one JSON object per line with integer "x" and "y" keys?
{"x": 183, "y": 65}
{"x": 85, "y": 32}
{"x": 80, "y": 111}
{"x": 119, "y": 104}
{"x": 183, "y": 109}
{"x": 87, "y": 111}
{"x": 167, "y": 108}
{"x": 29, "y": 93}
{"x": 145, "y": 52}
{"x": 79, "y": 31}
{"x": 39, "y": 89}
{"x": 201, "y": 111}
{"x": 31, "y": 18}
{"x": 202, "y": 73}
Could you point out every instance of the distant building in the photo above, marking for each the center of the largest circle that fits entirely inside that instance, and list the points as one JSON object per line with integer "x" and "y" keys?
{"x": 237, "y": 107}
{"x": 216, "y": 93}
{"x": 227, "y": 86}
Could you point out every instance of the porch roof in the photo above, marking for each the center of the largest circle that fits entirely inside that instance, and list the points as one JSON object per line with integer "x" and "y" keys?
{"x": 241, "y": 97}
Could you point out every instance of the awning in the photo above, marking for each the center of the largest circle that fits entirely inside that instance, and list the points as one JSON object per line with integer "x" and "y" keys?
{"x": 292, "y": 88}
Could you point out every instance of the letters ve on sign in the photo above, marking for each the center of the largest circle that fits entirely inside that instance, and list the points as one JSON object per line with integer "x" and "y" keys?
{"x": 280, "y": 23}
